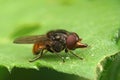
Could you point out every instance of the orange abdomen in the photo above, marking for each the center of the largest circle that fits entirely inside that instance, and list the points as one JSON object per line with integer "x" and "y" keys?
{"x": 37, "y": 48}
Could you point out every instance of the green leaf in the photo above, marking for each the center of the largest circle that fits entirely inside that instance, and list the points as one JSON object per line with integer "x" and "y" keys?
{"x": 24, "y": 30}
{"x": 109, "y": 68}
{"x": 93, "y": 20}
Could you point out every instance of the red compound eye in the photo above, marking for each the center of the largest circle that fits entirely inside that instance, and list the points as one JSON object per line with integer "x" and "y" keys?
{"x": 71, "y": 41}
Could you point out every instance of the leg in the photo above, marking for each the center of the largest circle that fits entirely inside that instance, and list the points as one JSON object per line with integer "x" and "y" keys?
{"x": 38, "y": 56}
{"x": 60, "y": 57}
{"x": 76, "y": 55}
{"x": 67, "y": 55}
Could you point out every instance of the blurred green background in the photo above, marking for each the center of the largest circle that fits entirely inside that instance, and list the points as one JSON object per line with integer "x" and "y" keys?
{"x": 96, "y": 21}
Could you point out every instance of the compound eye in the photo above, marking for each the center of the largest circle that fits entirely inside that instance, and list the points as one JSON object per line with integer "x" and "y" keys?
{"x": 77, "y": 37}
{"x": 71, "y": 41}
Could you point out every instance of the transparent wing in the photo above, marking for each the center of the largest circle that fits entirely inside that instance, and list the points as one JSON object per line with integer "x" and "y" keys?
{"x": 31, "y": 39}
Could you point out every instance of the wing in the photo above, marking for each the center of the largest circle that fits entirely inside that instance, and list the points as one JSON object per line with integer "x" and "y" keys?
{"x": 31, "y": 39}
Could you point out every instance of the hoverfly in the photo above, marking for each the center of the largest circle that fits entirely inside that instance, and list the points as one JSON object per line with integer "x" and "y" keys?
{"x": 53, "y": 41}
